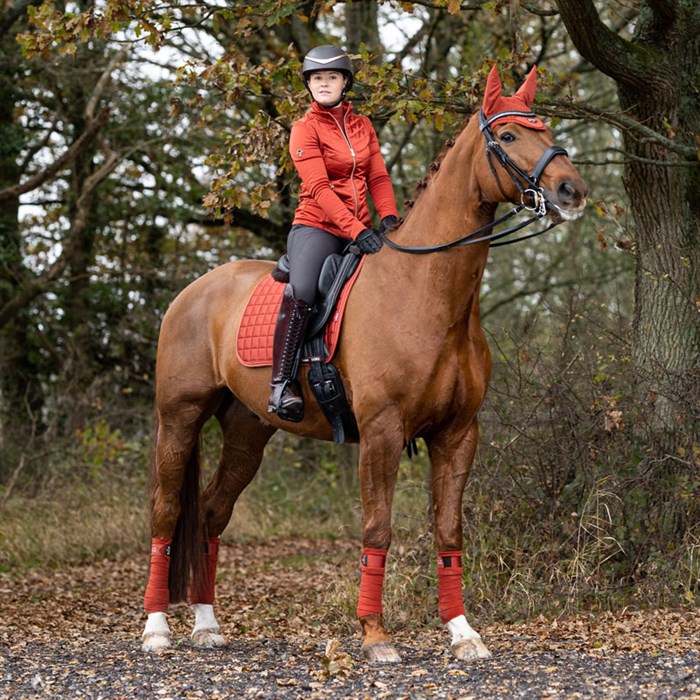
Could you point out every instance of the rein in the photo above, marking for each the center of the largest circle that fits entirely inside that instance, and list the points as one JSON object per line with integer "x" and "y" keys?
{"x": 531, "y": 195}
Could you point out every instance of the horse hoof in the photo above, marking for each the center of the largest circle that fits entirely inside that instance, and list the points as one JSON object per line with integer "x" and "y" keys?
{"x": 470, "y": 649}
{"x": 208, "y": 638}
{"x": 382, "y": 653}
{"x": 155, "y": 641}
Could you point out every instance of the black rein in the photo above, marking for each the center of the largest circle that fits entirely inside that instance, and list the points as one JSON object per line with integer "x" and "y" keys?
{"x": 531, "y": 196}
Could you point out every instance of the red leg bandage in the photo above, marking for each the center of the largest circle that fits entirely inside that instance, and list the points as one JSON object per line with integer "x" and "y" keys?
{"x": 157, "y": 598}
{"x": 202, "y": 591}
{"x": 450, "y": 603}
{"x": 372, "y": 582}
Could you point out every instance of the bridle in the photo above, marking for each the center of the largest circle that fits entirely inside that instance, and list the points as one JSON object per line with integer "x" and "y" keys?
{"x": 532, "y": 197}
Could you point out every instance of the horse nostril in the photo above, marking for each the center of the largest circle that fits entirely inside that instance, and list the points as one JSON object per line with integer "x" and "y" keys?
{"x": 566, "y": 192}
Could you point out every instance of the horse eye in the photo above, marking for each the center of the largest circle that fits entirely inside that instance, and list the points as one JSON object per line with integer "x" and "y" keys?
{"x": 507, "y": 137}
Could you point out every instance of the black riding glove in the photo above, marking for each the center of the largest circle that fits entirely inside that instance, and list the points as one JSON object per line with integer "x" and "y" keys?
{"x": 389, "y": 223}
{"x": 368, "y": 241}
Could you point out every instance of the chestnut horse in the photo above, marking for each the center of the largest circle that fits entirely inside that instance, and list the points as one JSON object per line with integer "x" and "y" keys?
{"x": 412, "y": 356}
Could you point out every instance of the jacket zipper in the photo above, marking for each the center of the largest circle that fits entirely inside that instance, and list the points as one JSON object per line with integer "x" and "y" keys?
{"x": 354, "y": 159}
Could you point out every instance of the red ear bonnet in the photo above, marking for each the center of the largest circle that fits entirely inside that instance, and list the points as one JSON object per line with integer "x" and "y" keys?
{"x": 495, "y": 103}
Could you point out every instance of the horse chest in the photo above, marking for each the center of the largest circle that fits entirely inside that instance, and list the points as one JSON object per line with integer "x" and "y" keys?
{"x": 454, "y": 384}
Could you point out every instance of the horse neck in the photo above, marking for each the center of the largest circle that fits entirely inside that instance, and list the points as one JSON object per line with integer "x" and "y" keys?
{"x": 450, "y": 207}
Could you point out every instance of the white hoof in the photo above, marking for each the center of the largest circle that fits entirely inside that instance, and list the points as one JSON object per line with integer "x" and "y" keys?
{"x": 156, "y": 636}
{"x": 206, "y": 632}
{"x": 155, "y": 641}
{"x": 471, "y": 649}
{"x": 466, "y": 643}
{"x": 209, "y": 639}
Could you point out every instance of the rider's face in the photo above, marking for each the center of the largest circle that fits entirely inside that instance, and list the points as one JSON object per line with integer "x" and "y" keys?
{"x": 327, "y": 86}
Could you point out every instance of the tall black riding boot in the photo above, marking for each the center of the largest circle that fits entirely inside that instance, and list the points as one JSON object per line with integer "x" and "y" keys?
{"x": 289, "y": 334}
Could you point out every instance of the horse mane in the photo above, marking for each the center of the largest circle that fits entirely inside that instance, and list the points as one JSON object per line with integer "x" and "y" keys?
{"x": 434, "y": 166}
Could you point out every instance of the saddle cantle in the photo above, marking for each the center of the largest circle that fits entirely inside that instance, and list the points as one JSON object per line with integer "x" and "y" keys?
{"x": 256, "y": 333}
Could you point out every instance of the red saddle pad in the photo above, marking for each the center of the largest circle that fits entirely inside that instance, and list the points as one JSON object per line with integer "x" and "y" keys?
{"x": 257, "y": 329}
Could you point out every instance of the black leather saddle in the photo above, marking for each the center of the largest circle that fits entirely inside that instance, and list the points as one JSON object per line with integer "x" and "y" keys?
{"x": 336, "y": 271}
{"x": 323, "y": 377}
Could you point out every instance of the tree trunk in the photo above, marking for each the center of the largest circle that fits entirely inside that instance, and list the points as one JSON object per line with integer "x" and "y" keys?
{"x": 361, "y": 27}
{"x": 657, "y": 73}
{"x": 19, "y": 389}
{"x": 665, "y": 204}
{"x": 666, "y": 350}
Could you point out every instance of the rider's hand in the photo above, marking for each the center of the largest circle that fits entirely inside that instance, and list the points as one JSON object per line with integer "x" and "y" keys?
{"x": 369, "y": 241}
{"x": 389, "y": 223}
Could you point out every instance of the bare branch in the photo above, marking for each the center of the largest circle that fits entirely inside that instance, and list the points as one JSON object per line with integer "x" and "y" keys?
{"x": 38, "y": 284}
{"x": 76, "y": 148}
{"x": 633, "y": 65}
{"x": 569, "y": 110}
{"x": 116, "y": 60}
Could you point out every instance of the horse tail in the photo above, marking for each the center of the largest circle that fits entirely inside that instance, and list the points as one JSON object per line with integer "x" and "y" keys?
{"x": 187, "y": 559}
{"x": 188, "y": 555}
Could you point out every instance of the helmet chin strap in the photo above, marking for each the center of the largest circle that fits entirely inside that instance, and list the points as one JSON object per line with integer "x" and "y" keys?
{"x": 334, "y": 105}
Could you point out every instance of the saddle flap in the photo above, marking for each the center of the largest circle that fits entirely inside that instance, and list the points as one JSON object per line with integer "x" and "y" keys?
{"x": 336, "y": 271}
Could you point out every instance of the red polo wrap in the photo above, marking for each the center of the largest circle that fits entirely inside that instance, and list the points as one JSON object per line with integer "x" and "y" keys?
{"x": 373, "y": 563}
{"x": 450, "y": 603}
{"x": 202, "y": 591}
{"x": 157, "y": 598}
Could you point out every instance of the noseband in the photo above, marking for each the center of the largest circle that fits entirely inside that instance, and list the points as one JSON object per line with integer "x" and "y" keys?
{"x": 532, "y": 196}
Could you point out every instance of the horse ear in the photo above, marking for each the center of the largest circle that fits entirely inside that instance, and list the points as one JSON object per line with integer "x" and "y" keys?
{"x": 494, "y": 88}
{"x": 526, "y": 92}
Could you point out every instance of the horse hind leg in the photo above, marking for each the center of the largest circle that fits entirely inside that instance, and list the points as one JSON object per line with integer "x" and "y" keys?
{"x": 175, "y": 521}
{"x": 244, "y": 441}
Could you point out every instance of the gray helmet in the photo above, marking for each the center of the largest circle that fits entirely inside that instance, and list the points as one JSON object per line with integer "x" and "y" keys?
{"x": 327, "y": 58}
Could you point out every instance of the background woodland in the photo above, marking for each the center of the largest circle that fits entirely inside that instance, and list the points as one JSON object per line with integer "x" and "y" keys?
{"x": 143, "y": 143}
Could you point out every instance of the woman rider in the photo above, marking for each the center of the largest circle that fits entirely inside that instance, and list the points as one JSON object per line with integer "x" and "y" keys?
{"x": 337, "y": 156}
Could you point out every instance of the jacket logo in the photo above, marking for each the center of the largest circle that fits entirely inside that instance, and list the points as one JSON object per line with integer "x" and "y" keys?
{"x": 300, "y": 153}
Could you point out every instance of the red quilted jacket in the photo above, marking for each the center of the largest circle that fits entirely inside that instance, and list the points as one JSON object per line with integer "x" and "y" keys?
{"x": 337, "y": 156}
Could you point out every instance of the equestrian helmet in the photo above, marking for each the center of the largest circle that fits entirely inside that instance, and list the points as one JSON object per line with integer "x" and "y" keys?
{"x": 327, "y": 58}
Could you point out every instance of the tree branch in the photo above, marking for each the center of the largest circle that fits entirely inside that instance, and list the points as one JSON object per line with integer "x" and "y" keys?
{"x": 264, "y": 228}
{"x": 75, "y": 149}
{"x": 38, "y": 284}
{"x": 627, "y": 63}
{"x": 567, "y": 109}
{"x": 11, "y": 15}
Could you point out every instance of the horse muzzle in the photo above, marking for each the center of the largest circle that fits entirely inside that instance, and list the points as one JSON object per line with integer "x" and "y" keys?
{"x": 567, "y": 202}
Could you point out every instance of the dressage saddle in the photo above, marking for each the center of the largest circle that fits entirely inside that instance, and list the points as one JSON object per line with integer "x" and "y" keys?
{"x": 324, "y": 378}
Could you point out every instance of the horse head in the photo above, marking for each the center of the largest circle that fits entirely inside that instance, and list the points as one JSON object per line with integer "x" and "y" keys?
{"x": 523, "y": 164}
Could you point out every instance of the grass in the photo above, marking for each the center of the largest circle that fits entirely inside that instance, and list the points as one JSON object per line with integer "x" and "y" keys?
{"x": 523, "y": 557}
{"x": 71, "y": 524}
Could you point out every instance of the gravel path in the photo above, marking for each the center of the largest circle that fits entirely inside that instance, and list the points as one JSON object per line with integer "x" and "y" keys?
{"x": 73, "y": 633}
{"x": 287, "y": 669}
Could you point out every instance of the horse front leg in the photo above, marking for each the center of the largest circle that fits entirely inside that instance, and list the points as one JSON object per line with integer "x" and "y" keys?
{"x": 379, "y": 464}
{"x": 244, "y": 441}
{"x": 451, "y": 457}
